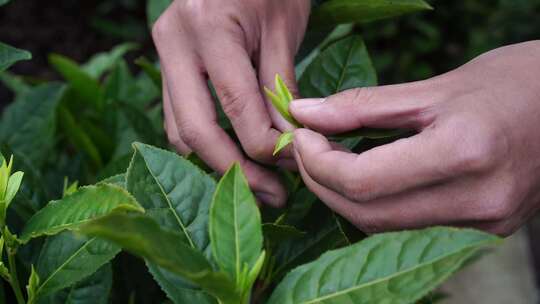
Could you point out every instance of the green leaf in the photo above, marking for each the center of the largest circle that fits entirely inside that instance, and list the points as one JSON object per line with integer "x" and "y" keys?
{"x": 10, "y": 55}
{"x": 95, "y": 289}
{"x": 3, "y": 2}
{"x": 78, "y": 136}
{"x": 14, "y": 83}
{"x": 339, "y": 32}
{"x": 398, "y": 267}
{"x": 150, "y": 69}
{"x": 343, "y": 65}
{"x": 87, "y": 203}
{"x": 31, "y": 287}
{"x": 154, "y": 9}
{"x": 276, "y": 233}
{"x": 177, "y": 194}
{"x": 13, "y": 186}
{"x": 118, "y": 180}
{"x": 83, "y": 84}
{"x": 283, "y": 141}
{"x": 67, "y": 258}
{"x": 103, "y": 62}
{"x": 235, "y": 224}
{"x": 173, "y": 191}
{"x": 281, "y": 99}
{"x": 28, "y": 124}
{"x": 321, "y": 234}
{"x": 360, "y": 11}
{"x": 143, "y": 236}
{"x": 141, "y": 124}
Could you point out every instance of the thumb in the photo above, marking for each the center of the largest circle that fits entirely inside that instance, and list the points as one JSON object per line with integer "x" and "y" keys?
{"x": 394, "y": 106}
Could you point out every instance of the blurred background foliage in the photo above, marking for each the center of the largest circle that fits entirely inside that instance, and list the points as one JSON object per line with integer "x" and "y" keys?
{"x": 403, "y": 49}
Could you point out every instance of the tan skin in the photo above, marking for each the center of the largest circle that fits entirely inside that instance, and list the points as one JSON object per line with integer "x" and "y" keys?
{"x": 474, "y": 162}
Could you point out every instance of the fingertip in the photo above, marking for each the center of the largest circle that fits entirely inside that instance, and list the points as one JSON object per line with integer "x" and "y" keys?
{"x": 306, "y": 140}
{"x": 302, "y": 109}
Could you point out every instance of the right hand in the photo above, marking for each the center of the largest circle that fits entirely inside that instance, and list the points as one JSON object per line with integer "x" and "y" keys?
{"x": 239, "y": 46}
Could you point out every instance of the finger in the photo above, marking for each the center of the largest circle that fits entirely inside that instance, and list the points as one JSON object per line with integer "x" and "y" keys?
{"x": 170, "y": 123}
{"x": 277, "y": 57}
{"x": 196, "y": 118}
{"x": 444, "y": 204}
{"x": 395, "y": 106}
{"x": 234, "y": 78}
{"x": 407, "y": 163}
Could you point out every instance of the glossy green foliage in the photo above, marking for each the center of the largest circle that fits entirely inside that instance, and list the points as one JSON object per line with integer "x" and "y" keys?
{"x": 10, "y": 55}
{"x": 87, "y": 203}
{"x": 144, "y": 237}
{"x": 95, "y": 289}
{"x": 102, "y": 62}
{"x": 345, "y": 64}
{"x": 67, "y": 258}
{"x": 83, "y": 85}
{"x": 177, "y": 194}
{"x": 235, "y": 226}
{"x": 334, "y": 12}
{"x": 397, "y": 267}
{"x": 154, "y": 8}
{"x": 28, "y": 124}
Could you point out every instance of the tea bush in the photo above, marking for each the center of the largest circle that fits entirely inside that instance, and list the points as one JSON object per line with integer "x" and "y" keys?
{"x": 202, "y": 238}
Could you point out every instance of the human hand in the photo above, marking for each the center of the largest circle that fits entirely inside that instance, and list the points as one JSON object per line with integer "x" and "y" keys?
{"x": 239, "y": 46}
{"x": 475, "y": 161}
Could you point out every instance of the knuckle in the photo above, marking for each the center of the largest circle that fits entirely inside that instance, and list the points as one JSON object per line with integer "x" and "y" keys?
{"x": 234, "y": 102}
{"x": 258, "y": 151}
{"x": 479, "y": 151}
{"x": 356, "y": 189}
{"x": 162, "y": 28}
{"x": 190, "y": 134}
{"x": 357, "y": 95}
{"x": 499, "y": 208}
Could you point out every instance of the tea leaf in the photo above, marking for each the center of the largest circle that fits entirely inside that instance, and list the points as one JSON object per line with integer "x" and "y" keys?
{"x": 95, "y": 289}
{"x": 87, "y": 88}
{"x": 69, "y": 213}
{"x": 143, "y": 236}
{"x": 10, "y": 55}
{"x": 103, "y": 62}
{"x": 150, "y": 69}
{"x": 343, "y": 65}
{"x": 283, "y": 141}
{"x": 398, "y": 267}
{"x": 281, "y": 100}
{"x": 28, "y": 124}
{"x": 32, "y": 285}
{"x": 154, "y": 8}
{"x": 177, "y": 194}
{"x": 235, "y": 224}
{"x": 67, "y": 258}
{"x": 361, "y": 11}
{"x": 78, "y": 136}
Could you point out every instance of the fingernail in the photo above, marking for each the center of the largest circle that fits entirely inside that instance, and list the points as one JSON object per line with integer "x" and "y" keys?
{"x": 307, "y": 102}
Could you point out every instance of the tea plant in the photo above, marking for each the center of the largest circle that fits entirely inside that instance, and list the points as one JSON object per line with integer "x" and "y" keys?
{"x": 203, "y": 240}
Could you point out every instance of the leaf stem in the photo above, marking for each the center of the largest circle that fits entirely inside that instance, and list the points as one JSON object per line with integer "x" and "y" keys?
{"x": 14, "y": 279}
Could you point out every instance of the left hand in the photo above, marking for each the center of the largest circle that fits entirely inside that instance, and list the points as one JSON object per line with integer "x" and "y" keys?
{"x": 475, "y": 161}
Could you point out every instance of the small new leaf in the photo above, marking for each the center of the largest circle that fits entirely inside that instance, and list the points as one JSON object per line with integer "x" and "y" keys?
{"x": 281, "y": 100}
{"x": 283, "y": 141}
{"x": 32, "y": 286}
